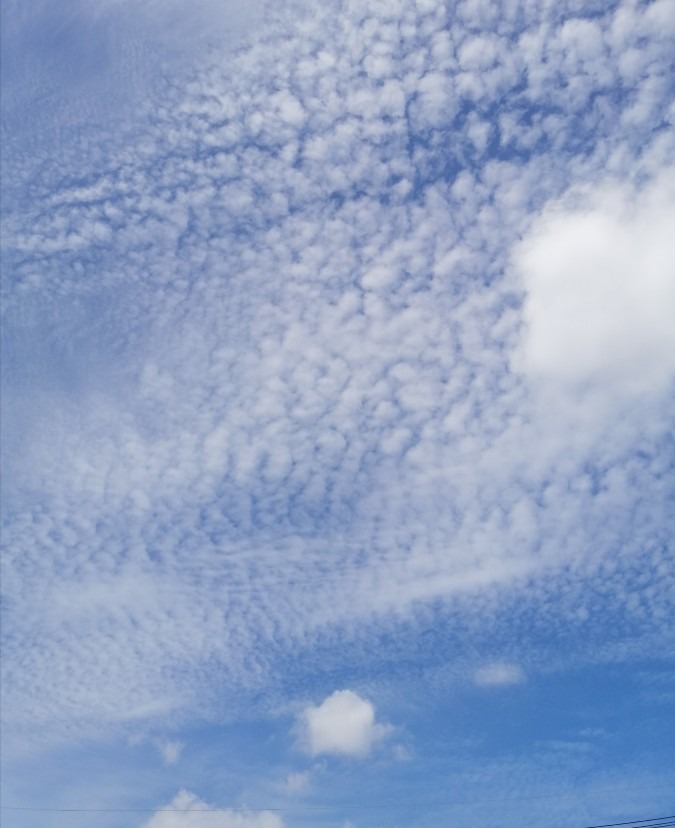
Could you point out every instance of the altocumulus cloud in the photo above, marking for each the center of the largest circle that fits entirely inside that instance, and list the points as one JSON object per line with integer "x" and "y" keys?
{"x": 343, "y": 724}
{"x": 281, "y": 353}
{"x": 263, "y": 395}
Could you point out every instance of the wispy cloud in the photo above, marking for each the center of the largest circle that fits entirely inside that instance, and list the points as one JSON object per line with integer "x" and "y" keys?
{"x": 170, "y": 751}
{"x": 499, "y": 674}
{"x": 297, "y": 782}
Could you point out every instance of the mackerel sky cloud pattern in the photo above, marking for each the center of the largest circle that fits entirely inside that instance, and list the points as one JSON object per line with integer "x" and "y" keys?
{"x": 338, "y": 376}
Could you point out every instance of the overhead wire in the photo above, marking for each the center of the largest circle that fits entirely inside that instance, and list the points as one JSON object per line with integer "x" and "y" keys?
{"x": 651, "y": 822}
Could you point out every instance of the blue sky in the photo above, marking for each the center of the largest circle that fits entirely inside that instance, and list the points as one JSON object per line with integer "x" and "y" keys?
{"x": 338, "y": 382}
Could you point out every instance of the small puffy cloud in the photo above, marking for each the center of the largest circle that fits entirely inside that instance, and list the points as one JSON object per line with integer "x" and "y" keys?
{"x": 188, "y": 811}
{"x": 499, "y": 674}
{"x": 343, "y": 724}
{"x": 599, "y": 276}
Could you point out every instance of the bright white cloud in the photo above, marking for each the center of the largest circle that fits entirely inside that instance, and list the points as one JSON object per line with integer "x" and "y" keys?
{"x": 499, "y": 674}
{"x": 343, "y": 724}
{"x": 192, "y": 812}
{"x": 600, "y": 280}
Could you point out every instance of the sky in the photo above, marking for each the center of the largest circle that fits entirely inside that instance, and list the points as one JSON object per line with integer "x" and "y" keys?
{"x": 338, "y": 392}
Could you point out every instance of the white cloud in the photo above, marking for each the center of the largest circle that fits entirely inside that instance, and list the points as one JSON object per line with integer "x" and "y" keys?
{"x": 499, "y": 674}
{"x": 192, "y": 812}
{"x": 170, "y": 751}
{"x": 343, "y": 724}
{"x": 600, "y": 282}
{"x": 304, "y": 365}
{"x": 402, "y": 753}
{"x": 296, "y": 783}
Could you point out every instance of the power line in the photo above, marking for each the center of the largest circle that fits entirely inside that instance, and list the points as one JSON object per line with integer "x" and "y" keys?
{"x": 654, "y": 822}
